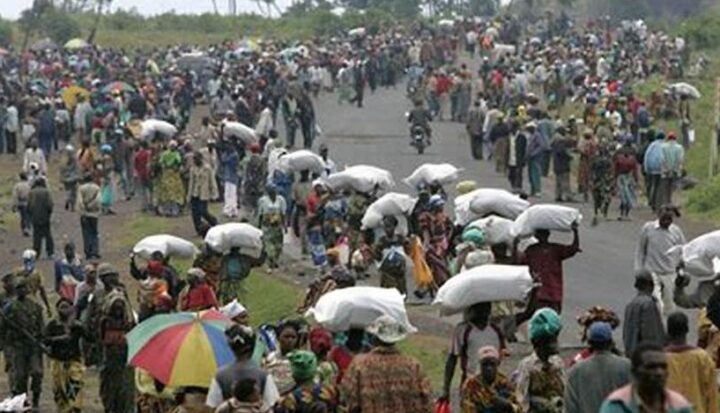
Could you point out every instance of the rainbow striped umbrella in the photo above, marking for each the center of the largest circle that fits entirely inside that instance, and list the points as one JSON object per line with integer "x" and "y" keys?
{"x": 181, "y": 349}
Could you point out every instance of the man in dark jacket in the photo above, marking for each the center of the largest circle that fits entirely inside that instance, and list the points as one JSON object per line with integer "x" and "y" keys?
{"x": 643, "y": 322}
{"x": 40, "y": 208}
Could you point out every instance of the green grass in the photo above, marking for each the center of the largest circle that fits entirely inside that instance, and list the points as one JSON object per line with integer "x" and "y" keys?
{"x": 431, "y": 351}
{"x": 270, "y": 299}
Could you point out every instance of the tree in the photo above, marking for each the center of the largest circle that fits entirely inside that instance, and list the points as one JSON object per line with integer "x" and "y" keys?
{"x": 6, "y": 33}
{"x": 100, "y": 4}
{"x": 31, "y": 19}
{"x": 60, "y": 26}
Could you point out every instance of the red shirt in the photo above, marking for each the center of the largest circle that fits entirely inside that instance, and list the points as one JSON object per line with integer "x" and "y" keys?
{"x": 545, "y": 262}
{"x": 199, "y": 298}
{"x": 342, "y": 358}
{"x": 443, "y": 84}
{"x": 141, "y": 163}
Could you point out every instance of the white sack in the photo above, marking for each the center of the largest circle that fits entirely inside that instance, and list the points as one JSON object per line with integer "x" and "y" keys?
{"x": 545, "y": 216}
{"x": 685, "y": 89}
{"x": 499, "y": 202}
{"x": 463, "y": 215}
{"x": 302, "y": 160}
{"x": 699, "y": 255}
{"x": 358, "y": 307}
{"x": 392, "y": 203}
{"x": 425, "y": 174}
{"x": 497, "y": 229}
{"x": 362, "y": 178}
{"x": 485, "y": 283}
{"x": 235, "y": 234}
{"x": 240, "y": 131}
{"x": 149, "y": 127}
{"x": 168, "y": 245}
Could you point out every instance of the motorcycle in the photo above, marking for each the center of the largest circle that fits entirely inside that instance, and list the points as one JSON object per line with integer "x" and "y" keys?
{"x": 418, "y": 139}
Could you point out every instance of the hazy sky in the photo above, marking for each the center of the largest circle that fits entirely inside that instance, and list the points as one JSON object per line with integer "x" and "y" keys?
{"x": 11, "y": 8}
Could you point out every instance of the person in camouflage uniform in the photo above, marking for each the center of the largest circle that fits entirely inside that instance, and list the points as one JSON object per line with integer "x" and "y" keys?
{"x": 34, "y": 278}
{"x": 23, "y": 324}
{"x": 6, "y": 295}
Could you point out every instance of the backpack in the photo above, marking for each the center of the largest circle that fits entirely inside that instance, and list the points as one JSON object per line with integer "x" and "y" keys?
{"x": 393, "y": 261}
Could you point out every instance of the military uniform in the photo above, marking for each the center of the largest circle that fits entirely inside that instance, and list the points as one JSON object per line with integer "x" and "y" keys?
{"x": 26, "y": 361}
{"x": 7, "y": 352}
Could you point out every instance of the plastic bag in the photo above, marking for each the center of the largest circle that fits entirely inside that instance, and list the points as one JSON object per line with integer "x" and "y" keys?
{"x": 302, "y": 160}
{"x": 421, "y": 270}
{"x": 168, "y": 245}
{"x": 486, "y": 283}
{"x": 499, "y": 202}
{"x": 428, "y": 173}
{"x": 235, "y": 234}
{"x": 358, "y": 307}
{"x": 545, "y": 216}
{"x": 361, "y": 178}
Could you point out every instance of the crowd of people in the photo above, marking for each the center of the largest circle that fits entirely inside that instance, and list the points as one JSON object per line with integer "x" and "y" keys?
{"x": 88, "y": 106}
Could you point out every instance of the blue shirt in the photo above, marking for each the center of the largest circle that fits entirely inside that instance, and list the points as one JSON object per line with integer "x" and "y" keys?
{"x": 652, "y": 164}
{"x": 229, "y": 161}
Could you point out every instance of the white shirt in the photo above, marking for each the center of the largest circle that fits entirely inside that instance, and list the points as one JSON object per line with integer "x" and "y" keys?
{"x": 11, "y": 122}
{"x": 270, "y": 394}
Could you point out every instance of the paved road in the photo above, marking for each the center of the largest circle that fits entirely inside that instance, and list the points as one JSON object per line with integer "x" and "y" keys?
{"x": 377, "y": 135}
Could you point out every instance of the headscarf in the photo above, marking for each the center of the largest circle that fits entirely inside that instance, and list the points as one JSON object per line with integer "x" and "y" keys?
{"x": 320, "y": 340}
{"x": 303, "y": 365}
{"x": 596, "y": 314}
{"x": 474, "y": 235}
{"x": 544, "y": 324}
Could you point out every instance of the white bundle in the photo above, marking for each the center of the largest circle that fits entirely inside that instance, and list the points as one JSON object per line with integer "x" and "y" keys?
{"x": 358, "y": 307}
{"x": 499, "y": 202}
{"x": 428, "y": 173}
{"x": 497, "y": 229}
{"x": 15, "y": 404}
{"x": 392, "y": 203}
{"x": 545, "y": 216}
{"x": 149, "y": 127}
{"x": 486, "y": 283}
{"x": 241, "y": 235}
{"x": 302, "y": 160}
{"x": 168, "y": 245}
{"x": 362, "y": 178}
{"x": 463, "y": 215}
{"x": 240, "y": 131}
{"x": 685, "y": 89}
{"x": 700, "y": 256}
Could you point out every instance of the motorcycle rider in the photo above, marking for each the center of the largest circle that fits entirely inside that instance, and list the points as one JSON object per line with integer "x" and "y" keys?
{"x": 420, "y": 117}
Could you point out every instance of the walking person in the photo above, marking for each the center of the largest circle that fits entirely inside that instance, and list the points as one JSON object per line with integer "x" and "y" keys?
{"x": 588, "y": 148}
{"x": 384, "y": 380}
{"x": 271, "y": 216}
{"x": 142, "y": 174}
{"x": 601, "y": 183}
{"x": 642, "y": 322}
{"x": 229, "y": 161}
{"x": 590, "y": 381}
{"x": 648, "y": 391}
{"x": 12, "y": 126}
{"x": 656, "y": 238}
{"x": 652, "y": 168}
{"x": 671, "y": 168}
{"x": 62, "y": 335}
{"x": 517, "y": 154}
{"x": 626, "y": 178}
{"x": 691, "y": 370}
{"x": 474, "y": 127}
{"x": 202, "y": 189}
{"x": 88, "y": 206}
{"x": 117, "y": 379}
{"x": 562, "y": 163}
{"x": 20, "y": 197}
{"x": 40, "y": 208}
{"x": 70, "y": 175}
{"x": 23, "y": 326}
{"x": 489, "y": 390}
{"x": 537, "y": 146}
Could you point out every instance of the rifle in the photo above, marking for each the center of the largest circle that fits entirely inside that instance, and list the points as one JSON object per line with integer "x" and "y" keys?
{"x": 24, "y": 332}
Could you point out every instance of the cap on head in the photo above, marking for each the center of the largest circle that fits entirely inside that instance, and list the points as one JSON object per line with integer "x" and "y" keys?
{"x": 600, "y": 332}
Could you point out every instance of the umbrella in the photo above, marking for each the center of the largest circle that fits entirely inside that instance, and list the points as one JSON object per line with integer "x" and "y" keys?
{"x": 181, "y": 349}
{"x": 44, "y": 44}
{"x": 70, "y": 95}
{"x": 76, "y": 44}
{"x": 117, "y": 85}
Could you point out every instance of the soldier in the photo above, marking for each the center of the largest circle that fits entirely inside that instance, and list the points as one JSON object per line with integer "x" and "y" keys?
{"x": 34, "y": 279}
{"x": 24, "y": 325}
{"x": 6, "y": 295}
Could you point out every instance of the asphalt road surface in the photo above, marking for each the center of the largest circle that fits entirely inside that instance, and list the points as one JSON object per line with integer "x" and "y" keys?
{"x": 377, "y": 134}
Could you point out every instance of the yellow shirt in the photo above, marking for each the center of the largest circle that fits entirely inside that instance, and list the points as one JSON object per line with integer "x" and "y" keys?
{"x": 691, "y": 372}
